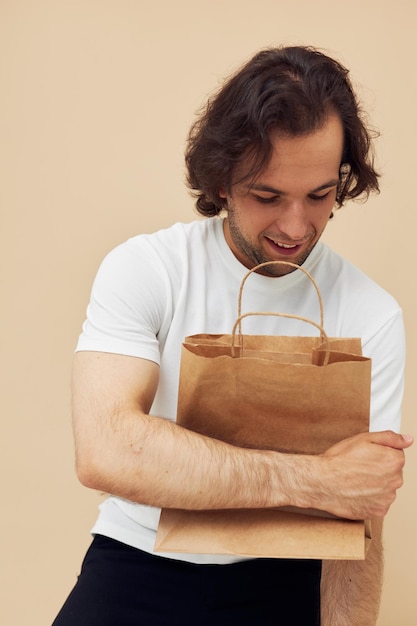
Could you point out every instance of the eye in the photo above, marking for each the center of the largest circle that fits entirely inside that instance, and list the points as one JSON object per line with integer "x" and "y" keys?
{"x": 321, "y": 198}
{"x": 265, "y": 200}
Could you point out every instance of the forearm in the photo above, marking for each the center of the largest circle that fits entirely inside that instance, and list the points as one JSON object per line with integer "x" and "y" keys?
{"x": 121, "y": 449}
{"x": 156, "y": 462}
{"x": 351, "y": 590}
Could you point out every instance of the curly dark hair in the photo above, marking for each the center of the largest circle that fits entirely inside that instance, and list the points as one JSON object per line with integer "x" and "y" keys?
{"x": 290, "y": 89}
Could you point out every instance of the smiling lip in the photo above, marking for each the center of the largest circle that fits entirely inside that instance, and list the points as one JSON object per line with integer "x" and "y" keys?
{"x": 287, "y": 249}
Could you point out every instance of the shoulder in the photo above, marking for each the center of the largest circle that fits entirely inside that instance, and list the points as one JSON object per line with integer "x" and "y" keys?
{"x": 177, "y": 235}
{"x": 354, "y": 302}
{"x": 152, "y": 269}
{"x": 339, "y": 275}
{"x": 158, "y": 252}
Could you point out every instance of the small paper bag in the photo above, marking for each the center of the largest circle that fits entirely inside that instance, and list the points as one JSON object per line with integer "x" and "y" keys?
{"x": 290, "y": 394}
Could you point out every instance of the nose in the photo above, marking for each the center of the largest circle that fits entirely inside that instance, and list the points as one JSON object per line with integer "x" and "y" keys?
{"x": 293, "y": 221}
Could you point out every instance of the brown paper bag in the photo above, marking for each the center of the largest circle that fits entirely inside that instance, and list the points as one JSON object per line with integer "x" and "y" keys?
{"x": 291, "y": 394}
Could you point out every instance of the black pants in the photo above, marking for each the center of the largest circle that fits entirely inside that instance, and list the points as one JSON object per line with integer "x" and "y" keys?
{"x": 122, "y": 586}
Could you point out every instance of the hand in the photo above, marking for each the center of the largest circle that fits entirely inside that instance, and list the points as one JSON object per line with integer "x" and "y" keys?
{"x": 363, "y": 474}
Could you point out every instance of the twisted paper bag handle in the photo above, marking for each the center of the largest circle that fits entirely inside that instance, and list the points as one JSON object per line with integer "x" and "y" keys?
{"x": 237, "y": 328}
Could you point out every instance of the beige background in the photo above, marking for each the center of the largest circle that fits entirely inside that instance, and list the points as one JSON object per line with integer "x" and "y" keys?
{"x": 96, "y": 99}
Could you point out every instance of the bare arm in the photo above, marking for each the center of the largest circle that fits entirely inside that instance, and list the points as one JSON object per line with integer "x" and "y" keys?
{"x": 351, "y": 590}
{"x": 122, "y": 450}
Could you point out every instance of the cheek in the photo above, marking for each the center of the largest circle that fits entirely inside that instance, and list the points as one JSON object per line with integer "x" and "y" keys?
{"x": 320, "y": 227}
{"x": 255, "y": 225}
{"x": 321, "y": 217}
{"x": 258, "y": 219}
{"x": 249, "y": 218}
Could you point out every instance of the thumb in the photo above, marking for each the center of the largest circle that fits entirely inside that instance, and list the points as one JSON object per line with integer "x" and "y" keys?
{"x": 393, "y": 440}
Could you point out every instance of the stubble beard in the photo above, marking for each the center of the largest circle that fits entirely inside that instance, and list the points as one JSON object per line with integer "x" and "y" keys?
{"x": 255, "y": 255}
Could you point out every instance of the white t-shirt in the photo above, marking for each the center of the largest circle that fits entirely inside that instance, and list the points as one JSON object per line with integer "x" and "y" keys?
{"x": 153, "y": 290}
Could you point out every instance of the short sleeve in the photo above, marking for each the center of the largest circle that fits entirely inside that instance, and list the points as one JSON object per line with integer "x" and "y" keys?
{"x": 130, "y": 302}
{"x": 387, "y": 351}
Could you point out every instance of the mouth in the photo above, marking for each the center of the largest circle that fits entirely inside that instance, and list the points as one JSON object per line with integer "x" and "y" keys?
{"x": 283, "y": 247}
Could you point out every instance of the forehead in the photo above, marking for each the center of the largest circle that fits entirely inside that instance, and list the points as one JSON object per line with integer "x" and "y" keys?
{"x": 308, "y": 160}
{"x": 319, "y": 150}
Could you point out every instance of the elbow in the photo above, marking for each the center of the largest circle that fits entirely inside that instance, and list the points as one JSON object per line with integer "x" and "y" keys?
{"x": 90, "y": 472}
{"x": 86, "y": 474}
{"x": 98, "y": 470}
{"x": 93, "y": 460}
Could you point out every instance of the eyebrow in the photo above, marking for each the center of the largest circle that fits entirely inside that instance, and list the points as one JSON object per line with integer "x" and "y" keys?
{"x": 278, "y": 192}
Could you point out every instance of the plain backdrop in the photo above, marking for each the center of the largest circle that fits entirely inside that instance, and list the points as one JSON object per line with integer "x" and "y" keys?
{"x": 96, "y": 100}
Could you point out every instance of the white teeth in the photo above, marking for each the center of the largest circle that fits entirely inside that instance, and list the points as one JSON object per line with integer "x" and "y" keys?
{"x": 283, "y": 245}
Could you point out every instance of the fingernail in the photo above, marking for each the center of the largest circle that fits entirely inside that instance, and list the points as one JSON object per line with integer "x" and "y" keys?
{"x": 408, "y": 438}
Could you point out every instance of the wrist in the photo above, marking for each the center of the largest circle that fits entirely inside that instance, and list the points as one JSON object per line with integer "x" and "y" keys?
{"x": 304, "y": 481}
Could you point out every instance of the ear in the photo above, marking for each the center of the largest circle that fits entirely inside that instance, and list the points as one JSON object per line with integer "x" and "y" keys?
{"x": 222, "y": 193}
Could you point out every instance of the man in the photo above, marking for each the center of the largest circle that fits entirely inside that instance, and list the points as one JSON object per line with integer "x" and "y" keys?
{"x": 280, "y": 146}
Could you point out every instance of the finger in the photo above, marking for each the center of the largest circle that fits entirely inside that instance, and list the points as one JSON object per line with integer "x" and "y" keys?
{"x": 392, "y": 440}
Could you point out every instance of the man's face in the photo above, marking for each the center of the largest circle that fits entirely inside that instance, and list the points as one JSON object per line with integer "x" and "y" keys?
{"x": 281, "y": 215}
